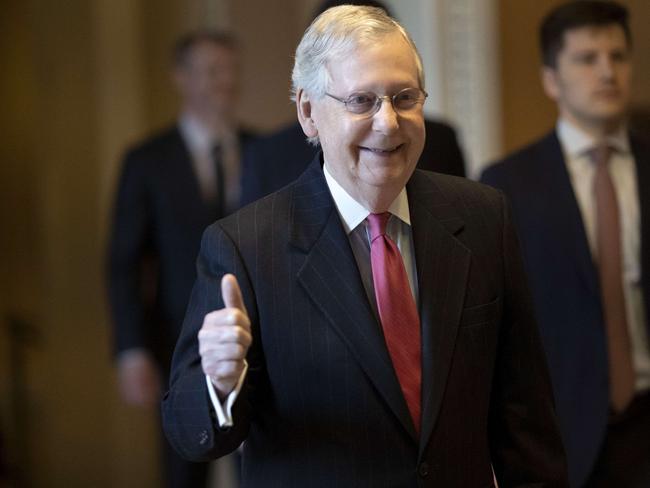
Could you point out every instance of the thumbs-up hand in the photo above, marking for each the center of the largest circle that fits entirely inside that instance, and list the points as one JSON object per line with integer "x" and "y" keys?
{"x": 224, "y": 339}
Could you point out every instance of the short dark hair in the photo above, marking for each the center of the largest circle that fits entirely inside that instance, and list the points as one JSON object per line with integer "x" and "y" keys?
{"x": 186, "y": 42}
{"x": 576, "y": 14}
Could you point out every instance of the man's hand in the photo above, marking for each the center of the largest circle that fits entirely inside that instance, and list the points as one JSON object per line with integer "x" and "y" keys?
{"x": 224, "y": 339}
{"x": 139, "y": 378}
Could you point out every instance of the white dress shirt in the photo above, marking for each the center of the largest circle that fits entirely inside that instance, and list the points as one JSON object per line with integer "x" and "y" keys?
{"x": 575, "y": 146}
{"x": 353, "y": 215}
{"x": 200, "y": 143}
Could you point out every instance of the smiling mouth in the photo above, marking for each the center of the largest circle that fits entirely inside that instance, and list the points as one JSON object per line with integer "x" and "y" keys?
{"x": 382, "y": 151}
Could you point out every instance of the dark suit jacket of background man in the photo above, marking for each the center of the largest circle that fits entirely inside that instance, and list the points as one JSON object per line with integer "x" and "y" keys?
{"x": 271, "y": 162}
{"x": 159, "y": 218}
{"x": 564, "y": 283}
{"x": 321, "y": 405}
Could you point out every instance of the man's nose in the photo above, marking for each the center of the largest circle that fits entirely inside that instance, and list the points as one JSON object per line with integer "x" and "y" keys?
{"x": 606, "y": 68}
{"x": 385, "y": 120}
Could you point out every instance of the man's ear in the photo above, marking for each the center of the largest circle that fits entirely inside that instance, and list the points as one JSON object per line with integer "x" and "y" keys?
{"x": 550, "y": 82}
{"x": 303, "y": 108}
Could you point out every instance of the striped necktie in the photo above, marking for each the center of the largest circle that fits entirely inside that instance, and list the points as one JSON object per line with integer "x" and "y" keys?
{"x": 397, "y": 312}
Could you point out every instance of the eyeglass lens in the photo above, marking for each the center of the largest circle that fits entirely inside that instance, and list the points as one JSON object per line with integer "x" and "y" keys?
{"x": 365, "y": 102}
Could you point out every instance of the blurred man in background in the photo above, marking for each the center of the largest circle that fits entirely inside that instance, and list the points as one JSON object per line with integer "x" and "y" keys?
{"x": 172, "y": 186}
{"x": 581, "y": 200}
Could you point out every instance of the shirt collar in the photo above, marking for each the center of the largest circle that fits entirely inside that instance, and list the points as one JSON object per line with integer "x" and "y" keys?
{"x": 576, "y": 142}
{"x": 353, "y": 213}
{"x": 194, "y": 133}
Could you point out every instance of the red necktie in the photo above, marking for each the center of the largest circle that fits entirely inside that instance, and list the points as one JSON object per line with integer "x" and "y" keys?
{"x": 610, "y": 269}
{"x": 397, "y": 312}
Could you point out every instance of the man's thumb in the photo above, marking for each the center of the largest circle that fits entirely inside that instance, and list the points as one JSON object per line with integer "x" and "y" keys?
{"x": 231, "y": 293}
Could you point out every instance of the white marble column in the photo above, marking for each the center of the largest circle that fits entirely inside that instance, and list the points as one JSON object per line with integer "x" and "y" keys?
{"x": 458, "y": 41}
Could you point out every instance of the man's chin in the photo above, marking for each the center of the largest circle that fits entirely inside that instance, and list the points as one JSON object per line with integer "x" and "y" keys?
{"x": 610, "y": 112}
{"x": 613, "y": 119}
{"x": 386, "y": 176}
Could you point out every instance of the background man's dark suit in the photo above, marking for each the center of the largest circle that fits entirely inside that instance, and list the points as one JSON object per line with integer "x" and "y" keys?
{"x": 321, "y": 405}
{"x": 271, "y": 162}
{"x": 159, "y": 215}
{"x": 565, "y": 287}
{"x": 158, "y": 222}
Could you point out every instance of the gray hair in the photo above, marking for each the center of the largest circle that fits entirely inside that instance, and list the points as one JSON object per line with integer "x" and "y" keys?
{"x": 334, "y": 34}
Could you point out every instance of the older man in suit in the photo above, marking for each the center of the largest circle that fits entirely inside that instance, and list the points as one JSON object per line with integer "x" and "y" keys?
{"x": 275, "y": 160}
{"x": 581, "y": 205}
{"x": 173, "y": 185}
{"x": 368, "y": 325}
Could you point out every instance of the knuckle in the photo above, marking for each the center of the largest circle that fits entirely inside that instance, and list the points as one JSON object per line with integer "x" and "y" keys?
{"x": 247, "y": 339}
{"x": 237, "y": 317}
{"x": 209, "y": 318}
{"x": 206, "y": 367}
{"x": 240, "y": 335}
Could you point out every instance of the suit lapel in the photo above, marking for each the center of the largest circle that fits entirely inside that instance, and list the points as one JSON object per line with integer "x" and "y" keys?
{"x": 331, "y": 279}
{"x": 184, "y": 179}
{"x": 563, "y": 207}
{"x": 443, "y": 265}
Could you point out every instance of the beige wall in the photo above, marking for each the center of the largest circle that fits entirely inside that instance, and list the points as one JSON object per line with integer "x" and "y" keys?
{"x": 640, "y": 10}
{"x": 52, "y": 277}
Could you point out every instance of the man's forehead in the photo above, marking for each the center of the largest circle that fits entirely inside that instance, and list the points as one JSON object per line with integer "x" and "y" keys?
{"x": 207, "y": 47}
{"x": 591, "y": 34}
{"x": 362, "y": 48}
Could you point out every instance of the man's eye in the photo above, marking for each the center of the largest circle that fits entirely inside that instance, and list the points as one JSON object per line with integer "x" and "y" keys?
{"x": 619, "y": 56}
{"x": 361, "y": 99}
{"x": 406, "y": 96}
{"x": 586, "y": 59}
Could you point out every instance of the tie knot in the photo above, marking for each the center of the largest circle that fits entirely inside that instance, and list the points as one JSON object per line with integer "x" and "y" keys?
{"x": 378, "y": 224}
{"x": 600, "y": 154}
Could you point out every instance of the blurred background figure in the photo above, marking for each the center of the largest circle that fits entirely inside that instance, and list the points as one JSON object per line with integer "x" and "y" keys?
{"x": 271, "y": 162}
{"x": 581, "y": 202}
{"x": 172, "y": 186}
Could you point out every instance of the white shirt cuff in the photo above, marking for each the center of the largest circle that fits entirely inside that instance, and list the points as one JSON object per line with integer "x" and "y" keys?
{"x": 224, "y": 411}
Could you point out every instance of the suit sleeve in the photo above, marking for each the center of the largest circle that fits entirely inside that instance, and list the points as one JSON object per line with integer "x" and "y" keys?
{"x": 524, "y": 436}
{"x": 189, "y": 420}
{"x": 131, "y": 262}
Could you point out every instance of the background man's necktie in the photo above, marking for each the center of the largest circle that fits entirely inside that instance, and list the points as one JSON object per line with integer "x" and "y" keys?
{"x": 219, "y": 173}
{"x": 397, "y": 311}
{"x": 610, "y": 268}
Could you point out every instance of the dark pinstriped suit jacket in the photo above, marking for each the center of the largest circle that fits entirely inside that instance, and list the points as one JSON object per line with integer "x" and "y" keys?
{"x": 321, "y": 405}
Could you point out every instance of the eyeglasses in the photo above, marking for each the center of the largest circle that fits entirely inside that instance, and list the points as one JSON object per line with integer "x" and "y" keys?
{"x": 368, "y": 103}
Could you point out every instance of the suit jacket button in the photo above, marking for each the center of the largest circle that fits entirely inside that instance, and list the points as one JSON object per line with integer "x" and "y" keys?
{"x": 423, "y": 470}
{"x": 203, "y": 437}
